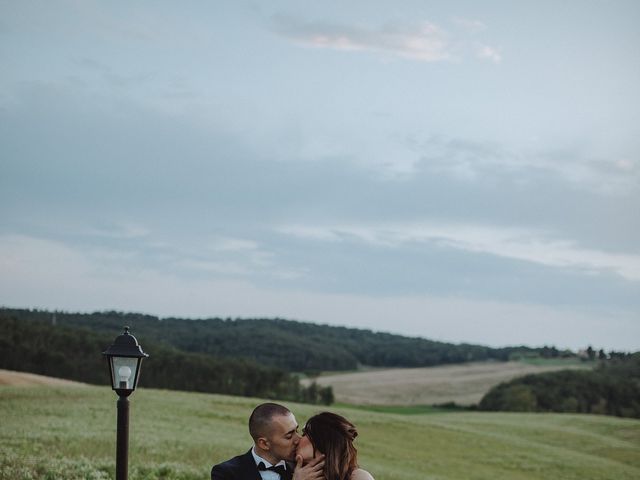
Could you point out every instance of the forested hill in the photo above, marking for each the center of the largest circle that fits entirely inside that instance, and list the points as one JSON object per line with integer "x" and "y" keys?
{"x": 291, "y": 345}
{"x": 74, "y": 353}
{"x": 612, "y": 388}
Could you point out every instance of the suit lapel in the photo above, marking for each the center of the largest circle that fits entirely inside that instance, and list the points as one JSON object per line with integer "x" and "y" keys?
{"x": 249, "y": 468}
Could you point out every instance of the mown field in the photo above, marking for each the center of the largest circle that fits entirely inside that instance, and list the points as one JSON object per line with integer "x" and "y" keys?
{"x": 68, "y": 432}
{"x": 464, "y": 384}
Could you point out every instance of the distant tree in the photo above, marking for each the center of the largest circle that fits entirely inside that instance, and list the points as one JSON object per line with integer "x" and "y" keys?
{"x": 549, "y": 352}
{"x": 326, "y": 395}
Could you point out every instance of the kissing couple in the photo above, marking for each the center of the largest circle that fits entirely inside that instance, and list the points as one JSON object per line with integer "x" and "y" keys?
{"x": 325, "y": 450}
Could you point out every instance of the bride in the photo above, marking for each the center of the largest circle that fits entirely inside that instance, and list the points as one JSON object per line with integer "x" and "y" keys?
{"x": 332, "y": 435}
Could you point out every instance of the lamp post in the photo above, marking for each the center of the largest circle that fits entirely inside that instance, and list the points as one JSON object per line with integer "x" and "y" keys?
{"x": 124, "y": 358}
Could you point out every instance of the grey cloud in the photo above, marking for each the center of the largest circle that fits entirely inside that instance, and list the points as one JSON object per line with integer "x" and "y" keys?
{"x": 110, "y": 76}
{"x": 122, "y": 158}
{"x": 65, "y": 155}
{"x": 421, "y": 41}
{"x": 470, "y": 160}
{"x": 435, "y": 269}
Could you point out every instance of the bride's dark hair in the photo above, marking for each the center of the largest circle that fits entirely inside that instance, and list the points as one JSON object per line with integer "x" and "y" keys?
{"x": 333, "y": 435}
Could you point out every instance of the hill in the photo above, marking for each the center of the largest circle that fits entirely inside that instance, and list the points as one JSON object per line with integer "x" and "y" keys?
{"x": 463, "y": 384}
{"x": 11, "y": 378}
{"x": 289, "y": 345}
{"x": 67, "y": 434}
{"x": 75, "y": 353}
{"x": 612, "y": 388}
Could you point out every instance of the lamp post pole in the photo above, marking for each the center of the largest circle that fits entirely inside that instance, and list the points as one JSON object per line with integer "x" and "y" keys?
{"x": 124, "y": 358}
{"x": 122, "y": 439}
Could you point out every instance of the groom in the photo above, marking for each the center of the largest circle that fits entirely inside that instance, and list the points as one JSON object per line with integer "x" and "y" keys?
{"x": 275, "y": 436}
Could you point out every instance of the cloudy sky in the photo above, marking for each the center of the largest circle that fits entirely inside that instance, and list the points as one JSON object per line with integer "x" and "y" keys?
{"x": 461, "y": 170}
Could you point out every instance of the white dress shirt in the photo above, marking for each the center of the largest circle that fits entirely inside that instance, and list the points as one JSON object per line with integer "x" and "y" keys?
{"x": 267, "y": 474}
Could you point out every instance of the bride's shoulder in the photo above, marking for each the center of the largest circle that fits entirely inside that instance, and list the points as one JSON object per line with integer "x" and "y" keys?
{"x": 360, "y": 474}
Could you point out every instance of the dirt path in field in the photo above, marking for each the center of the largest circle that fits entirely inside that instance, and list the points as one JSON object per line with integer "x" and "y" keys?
{"x": 463, "y": 384}
{"x": 9, "y": 377}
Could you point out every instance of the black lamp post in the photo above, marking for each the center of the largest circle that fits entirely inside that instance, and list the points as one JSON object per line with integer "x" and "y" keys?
{"x": 124, "y": 358}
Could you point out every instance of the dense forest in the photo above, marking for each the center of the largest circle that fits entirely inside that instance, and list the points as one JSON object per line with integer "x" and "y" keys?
{"x": 612, "y": 388}
{"x": 75, "y": 353}
{"x": 263, "y": 357}
{"x": 289, "y": 345}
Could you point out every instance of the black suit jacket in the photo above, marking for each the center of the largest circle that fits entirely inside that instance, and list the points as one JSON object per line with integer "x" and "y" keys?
{"x": 242, "y": 467}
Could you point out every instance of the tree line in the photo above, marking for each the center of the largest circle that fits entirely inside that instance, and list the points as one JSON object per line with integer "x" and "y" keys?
{"x": 611, "y": 388}
{"x": 75, "y": 353}
{"x": 285, "y": 344}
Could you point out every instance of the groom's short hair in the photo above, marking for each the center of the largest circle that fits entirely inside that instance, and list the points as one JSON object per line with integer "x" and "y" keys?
{"x": 260, "y": 419}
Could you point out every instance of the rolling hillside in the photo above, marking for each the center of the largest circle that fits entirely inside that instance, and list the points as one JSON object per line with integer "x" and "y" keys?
{"x": 463, "y": 384}
{"x": 289, "y": 345}
{"x": 183, "y": 358}
{"x": 69, "y": 433}
{"x": 12, "y": 378}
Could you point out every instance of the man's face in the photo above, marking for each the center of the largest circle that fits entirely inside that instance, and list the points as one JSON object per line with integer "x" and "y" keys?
{"x": 283, "y": 438}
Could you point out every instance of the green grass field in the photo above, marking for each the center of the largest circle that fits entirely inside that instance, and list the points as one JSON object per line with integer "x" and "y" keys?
{"x": 69, "y": 433}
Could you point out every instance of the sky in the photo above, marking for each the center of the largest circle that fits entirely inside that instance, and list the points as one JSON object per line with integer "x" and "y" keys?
{"x": 461, "y": 171}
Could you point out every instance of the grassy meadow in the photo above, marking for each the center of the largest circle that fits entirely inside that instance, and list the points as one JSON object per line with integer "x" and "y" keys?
{"x": 53, "y": 432}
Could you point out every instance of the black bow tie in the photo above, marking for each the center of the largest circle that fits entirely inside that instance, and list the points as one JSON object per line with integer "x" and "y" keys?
{"x": 279, "y": 469}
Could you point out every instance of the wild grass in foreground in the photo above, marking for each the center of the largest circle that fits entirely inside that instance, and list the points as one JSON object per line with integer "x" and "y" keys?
{"x": 69, "y": 433}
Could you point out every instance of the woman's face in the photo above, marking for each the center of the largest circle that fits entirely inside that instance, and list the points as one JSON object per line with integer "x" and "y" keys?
{"x": 305, "y": 449}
